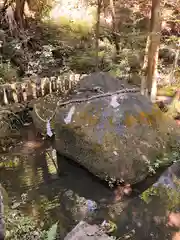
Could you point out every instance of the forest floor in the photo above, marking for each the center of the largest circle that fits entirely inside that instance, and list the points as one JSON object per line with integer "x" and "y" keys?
{"x": 48, "y": 48}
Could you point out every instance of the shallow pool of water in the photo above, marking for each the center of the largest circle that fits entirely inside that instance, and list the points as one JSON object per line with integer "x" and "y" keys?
{"x": 29, "y": 175}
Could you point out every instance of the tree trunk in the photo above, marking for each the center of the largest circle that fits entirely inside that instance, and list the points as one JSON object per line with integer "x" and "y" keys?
{"x": 97, "y": 33}
{"x": 153, "y": 53}
{"x": 114, "y": 35}
{"x": 19, "y": 13}
{"x": 171, "y": 77}
{"x": 144, "y": 69}
{"x": 5, "y": 6}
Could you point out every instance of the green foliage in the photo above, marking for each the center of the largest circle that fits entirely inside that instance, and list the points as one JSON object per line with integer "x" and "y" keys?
{"x": 64, "y": 22}
{"x": 45, "y": 10}
{"x": 164, "y": 161}
{"x": 146, "y": 196}
{"x": 74, "y": 29}
{"x": 172, "y": 40}
{"x": 41, "y": 8}
{"x": 22, "y": 227}
{"x": 168, "y": 90}
{"x": 83, "y": 61}
{"x": 169, "y": 197}
{"x": 81, "y": 27}
{"x": 10, "y": 164}
{"x": 51, "y": 234}
{"x": 19, "y": 226}
{"x": 7, "y": 73}
{"x": 115, "y": 70}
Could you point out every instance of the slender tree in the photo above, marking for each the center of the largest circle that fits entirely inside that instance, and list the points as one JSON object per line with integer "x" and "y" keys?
{"x": 150, "y": 85}
{"x": 114, "y": 35}
{"x": 99, "y": 3}
{"x": 19, "y": 12}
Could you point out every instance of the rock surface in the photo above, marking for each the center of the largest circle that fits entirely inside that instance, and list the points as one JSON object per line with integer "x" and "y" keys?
{"x": 85, "y": 231}
{"x": 117, "y": 137}
{"x": 155, "y": 214}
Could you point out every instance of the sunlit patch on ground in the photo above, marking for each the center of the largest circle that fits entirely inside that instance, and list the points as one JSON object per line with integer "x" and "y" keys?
{"x": 32, "y": 144}
{"x": 73, "y": 10}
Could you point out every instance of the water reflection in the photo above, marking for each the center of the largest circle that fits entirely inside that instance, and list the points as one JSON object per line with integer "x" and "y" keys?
{"x": 30, "y": 177}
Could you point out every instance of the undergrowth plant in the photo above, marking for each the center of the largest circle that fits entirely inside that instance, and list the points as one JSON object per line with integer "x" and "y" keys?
{"x": 19, "y": 226}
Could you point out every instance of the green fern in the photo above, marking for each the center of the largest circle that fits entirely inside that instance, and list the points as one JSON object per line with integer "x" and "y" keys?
{"x": 51, "y": 234}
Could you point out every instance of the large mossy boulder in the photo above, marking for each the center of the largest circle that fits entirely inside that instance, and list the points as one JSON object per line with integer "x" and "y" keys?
{"x": 117, "y": 137}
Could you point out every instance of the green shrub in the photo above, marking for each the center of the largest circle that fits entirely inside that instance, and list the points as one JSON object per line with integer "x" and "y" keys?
{"x": 7, "y": 73}
{"x": 19, "y": 226}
